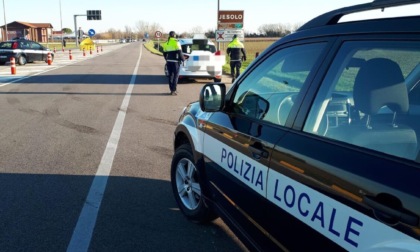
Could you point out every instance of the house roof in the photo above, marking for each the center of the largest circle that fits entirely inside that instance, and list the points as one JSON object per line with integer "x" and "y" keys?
{"x": 29, "y": 25}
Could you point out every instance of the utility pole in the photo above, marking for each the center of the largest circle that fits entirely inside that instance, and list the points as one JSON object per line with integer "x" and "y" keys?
{"x": 217, "y": 25}
{"x": 75, "y": 29}
{"x": 5, "y": 23}
{"x": 61, "y": 27}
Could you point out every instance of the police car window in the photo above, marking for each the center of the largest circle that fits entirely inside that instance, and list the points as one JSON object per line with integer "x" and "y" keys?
{"x": 188, "y": 48}
{"x": 268, "y": 93}
{"x": 6, "y": 45}
{"x": 36, "y": 46}
{"x": 25, "y": 45}
{"x": 369, "y": 98}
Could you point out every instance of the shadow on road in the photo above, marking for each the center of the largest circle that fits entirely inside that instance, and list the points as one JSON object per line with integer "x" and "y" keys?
{"x": 39, "y": 213}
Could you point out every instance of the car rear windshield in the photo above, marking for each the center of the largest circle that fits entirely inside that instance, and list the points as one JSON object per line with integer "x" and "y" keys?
{"x": 6, "y": 45}
{"x": 188, "y": 48}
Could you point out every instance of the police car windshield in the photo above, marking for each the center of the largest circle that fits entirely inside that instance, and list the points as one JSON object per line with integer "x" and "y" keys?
{"x": 188, "y": 48}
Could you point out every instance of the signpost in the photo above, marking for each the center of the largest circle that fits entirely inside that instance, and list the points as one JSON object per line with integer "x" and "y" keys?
{"x": 230, "y": 19}
{"x": 227, "y": 35}
{"x": 91, "y": 32}
{"x": 158, "y": 34}
{"x": 91, "y": 15}
{"x": 230, "y": 22}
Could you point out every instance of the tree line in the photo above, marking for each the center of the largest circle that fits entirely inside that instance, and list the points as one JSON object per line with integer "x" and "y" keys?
{"x": 142, "y": 29}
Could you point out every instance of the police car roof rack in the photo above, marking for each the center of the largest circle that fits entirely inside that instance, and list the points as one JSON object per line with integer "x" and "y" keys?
{"x": 332, "y": 17}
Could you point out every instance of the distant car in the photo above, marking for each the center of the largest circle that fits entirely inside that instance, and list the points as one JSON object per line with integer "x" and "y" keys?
{"x": 202, "y": 59}
{"x": 24, "y": 51}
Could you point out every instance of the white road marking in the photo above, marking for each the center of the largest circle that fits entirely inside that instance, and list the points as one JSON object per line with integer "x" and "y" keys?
{"x": 60, "y": 60}
{"x": 82, "y": 233}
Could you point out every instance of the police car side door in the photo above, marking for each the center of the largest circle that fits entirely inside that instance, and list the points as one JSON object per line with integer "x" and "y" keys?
{"x": 239, "y": 141}
{"x": 333, "y": 191}
{"x": 37, "y": 52}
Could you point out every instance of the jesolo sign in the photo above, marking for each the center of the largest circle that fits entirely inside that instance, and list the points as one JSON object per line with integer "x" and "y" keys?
{"x": 230, "y": 19}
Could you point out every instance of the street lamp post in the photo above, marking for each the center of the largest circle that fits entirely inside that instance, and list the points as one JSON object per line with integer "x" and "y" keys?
{"x": 61, "y": 28}
{"x": 5, "y": 23}
{"x": 217, "y": 21}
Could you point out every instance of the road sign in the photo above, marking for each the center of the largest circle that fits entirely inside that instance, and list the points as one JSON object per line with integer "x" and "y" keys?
{"x": 230, "y": 19}
{"x": 158, "y": 34}
{"x": 93, "y": 15}
{"x": 227, "y": 35}
{"x": 229, "y": 16}
{"x": 91, "y": 32}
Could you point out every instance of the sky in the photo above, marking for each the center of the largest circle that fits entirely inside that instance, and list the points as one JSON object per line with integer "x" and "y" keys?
{"x": 180, "y": 16}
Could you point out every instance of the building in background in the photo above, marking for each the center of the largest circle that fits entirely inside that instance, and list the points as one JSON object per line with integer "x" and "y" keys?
{"x": 39, "y": 32}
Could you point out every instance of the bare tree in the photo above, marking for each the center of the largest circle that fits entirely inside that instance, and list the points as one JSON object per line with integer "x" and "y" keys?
{"x": 197, "y": 30}
{"x": 155, "y": 27}
{"x": 276, "y": 30}
{"x": 128, "y": 32}
{"x": 113, "y": 33}
{"x": 142, "y": 28}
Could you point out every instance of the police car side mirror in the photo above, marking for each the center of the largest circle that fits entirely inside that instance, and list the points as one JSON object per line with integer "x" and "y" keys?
{"x": 212, "y": 97}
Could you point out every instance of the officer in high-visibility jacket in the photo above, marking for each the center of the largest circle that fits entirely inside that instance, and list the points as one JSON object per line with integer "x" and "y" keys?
{"x": 237, "y": 54}
{"x": 172, "y": 52}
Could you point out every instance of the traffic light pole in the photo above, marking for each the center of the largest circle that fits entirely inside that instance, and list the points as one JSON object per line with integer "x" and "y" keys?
{"x": 75, "y": 28}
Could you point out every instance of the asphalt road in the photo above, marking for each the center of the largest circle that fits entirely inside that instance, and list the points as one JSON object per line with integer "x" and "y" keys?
{"x": 85, "y": 152}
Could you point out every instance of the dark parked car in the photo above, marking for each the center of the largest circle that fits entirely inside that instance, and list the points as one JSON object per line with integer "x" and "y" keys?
{"x": 314, "y": 147}
{"x": 23, "y": 51}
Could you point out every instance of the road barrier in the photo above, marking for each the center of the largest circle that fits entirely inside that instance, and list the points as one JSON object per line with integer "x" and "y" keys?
{"x": 84, "y": 52}
{"x": 90, "y": 48}
{"x": 70, "y": 56}
{"x": 49, "y": 58}
{"x": 55, "y": 50}
{"x": 13, "y": 65}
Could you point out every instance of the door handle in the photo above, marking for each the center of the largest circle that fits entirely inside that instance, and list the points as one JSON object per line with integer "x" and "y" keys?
{"x": 257, "y": 153}
{"x": 402, "y": 215}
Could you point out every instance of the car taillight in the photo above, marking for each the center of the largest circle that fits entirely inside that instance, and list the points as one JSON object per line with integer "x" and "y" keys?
{"x": 14, "y": 45}
{"x": 218, "y": 53}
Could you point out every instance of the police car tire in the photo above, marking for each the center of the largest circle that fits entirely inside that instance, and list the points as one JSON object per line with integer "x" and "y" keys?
{"x": 21, "y": 60}
{"x": 200, "y": 212}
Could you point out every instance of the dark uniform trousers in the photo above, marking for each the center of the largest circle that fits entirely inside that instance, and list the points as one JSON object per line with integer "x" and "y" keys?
{"x": 173, "y": 72}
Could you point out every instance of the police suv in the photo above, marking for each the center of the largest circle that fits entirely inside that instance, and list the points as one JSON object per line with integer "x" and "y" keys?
{"x": 314, "y": 147}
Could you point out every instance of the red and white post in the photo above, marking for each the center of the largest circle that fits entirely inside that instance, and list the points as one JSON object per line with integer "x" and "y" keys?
{"x": 13, "y": 65}
{"x": 49, "y": 59}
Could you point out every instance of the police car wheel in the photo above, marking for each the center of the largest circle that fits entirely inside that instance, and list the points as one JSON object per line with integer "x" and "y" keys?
{"x": 21, "y": 60}
{"x": 186, "y": 186}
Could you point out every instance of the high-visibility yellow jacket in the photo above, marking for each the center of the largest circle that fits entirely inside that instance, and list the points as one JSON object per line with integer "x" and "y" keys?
{"x": 172, "y": 51}
{"x": 236, "y": 50}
